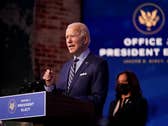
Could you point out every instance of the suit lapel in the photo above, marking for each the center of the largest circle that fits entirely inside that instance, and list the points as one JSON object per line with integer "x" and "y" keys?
{"x": 83, "y": 66}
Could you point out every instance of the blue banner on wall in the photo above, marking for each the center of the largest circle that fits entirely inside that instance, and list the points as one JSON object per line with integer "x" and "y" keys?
{"x": 132, "y": 35}
{"x": 23, "y": 106}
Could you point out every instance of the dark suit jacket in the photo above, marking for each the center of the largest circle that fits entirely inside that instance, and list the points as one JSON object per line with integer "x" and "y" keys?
{"x": 90, "y": 81}
{"x": 133, "y": 113}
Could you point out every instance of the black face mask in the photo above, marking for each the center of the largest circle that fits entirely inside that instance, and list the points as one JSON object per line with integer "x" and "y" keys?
{"x": 123, "y": 88}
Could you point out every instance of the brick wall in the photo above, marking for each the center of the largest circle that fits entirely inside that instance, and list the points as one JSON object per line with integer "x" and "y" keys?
{"x": 48, "y": 39}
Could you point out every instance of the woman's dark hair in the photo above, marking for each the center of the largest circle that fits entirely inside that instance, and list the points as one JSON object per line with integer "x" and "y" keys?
{"x": 133, "y": 83}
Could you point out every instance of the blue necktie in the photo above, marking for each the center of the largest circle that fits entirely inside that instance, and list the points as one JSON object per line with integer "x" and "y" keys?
{"x": 72, "y": 73}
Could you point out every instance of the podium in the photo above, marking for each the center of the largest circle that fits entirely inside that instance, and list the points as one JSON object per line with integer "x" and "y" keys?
{"x": 47, "y": 109}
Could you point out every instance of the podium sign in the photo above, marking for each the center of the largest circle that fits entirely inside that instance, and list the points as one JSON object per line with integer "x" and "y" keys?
{"x": 23, "y": 106}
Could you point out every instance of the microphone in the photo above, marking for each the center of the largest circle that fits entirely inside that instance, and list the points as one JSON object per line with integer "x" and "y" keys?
{"x": 42, "y": 82}
{"x": 34, "y": 86}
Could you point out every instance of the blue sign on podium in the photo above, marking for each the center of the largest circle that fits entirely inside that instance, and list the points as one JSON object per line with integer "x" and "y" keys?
{"x": 23, "y": 106}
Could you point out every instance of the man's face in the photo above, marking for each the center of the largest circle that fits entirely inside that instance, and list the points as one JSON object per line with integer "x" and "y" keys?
{"x": 74, "y": 41}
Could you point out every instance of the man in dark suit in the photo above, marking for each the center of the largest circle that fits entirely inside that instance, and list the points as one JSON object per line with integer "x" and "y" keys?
{"x": 89, "y": 80}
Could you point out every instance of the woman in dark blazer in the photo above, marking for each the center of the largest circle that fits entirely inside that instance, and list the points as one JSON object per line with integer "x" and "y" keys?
{"x": 129, "y": 108}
